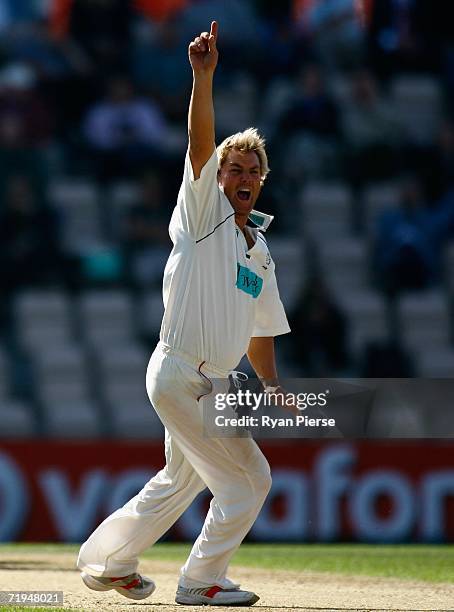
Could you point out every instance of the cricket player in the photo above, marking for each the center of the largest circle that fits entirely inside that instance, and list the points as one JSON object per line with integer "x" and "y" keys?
{"x": 221, "y": 301}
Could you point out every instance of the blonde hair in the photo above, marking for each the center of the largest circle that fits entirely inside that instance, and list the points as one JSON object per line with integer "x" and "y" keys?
{"x": 249, "y": 140}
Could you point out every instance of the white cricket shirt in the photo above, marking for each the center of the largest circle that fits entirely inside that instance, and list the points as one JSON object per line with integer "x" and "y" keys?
{"x": 217, "y": 292}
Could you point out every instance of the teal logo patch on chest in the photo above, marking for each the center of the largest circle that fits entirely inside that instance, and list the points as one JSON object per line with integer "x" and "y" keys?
{"x": 248, "y": 281}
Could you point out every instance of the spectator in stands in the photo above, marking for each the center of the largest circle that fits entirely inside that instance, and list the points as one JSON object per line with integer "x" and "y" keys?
{"x": 334, "y": 30}
{"x": 311, "y": 108}
{"x": 319, "y": 331}
{"x": 444, "y": 156}
{"x": 160, "y": 68}
{"x": 408, "y": 36}
{"x": 23, "y": 112}
{"x": 146, "y": 240}
{"x": 64, "y": 72}
{"x": 29, "y": 251}
{"x": 404, "y": 254}
{"x": 98, "y": 39}
{"x": 101, "y": 29}
{"x": 372, "y": 133}
{"x": 13, "y": 12}
{"x": 125, "y": 132}
{"x": 310, "y": 122}
{"x": 281, "y": 45}
{"x": 95, "y": 38}
{"x": 385, "y": 360}
{"x": 434, "y": 163}
{"x": 25, "y": 128}
{"x": 31, "y": 44}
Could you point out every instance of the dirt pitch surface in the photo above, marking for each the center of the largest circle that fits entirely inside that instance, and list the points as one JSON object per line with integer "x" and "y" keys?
{"x": 278, "y": 589}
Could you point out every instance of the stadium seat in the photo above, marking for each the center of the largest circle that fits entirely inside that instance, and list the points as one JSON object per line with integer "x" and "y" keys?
{"x": 440, "y": 415}
{"x": 366, "y": 316}
{"x": 288, "y": 255}
{"x": 130, "y": 411}
{"x": 424, "y": 320}
{"x": 71, "y": 419}
{"x": 340, "y": 88}
{"x": 377, "y": 198}
{"x": 67, "y": 191}
{"x": 436, "y": 362}
{"x": 448, "y": 266}
{"x": 65, "y": 362}
{"x": 16, "y": 419}
{"x": 61, "y": 375}
{"x": 235, "y": 104}
{"x": 123, "y": 364}
{"x": 106, "y": 317}
{"x": 326, "y": 210}
{"x": 42, "y": 318}
{"x": 151, "y": 311}
{"x": 390, "y": 418}
{"x": 121, "y": 197}
{"x": 418, "y": 101}
{"x": 135, "y": 420}
{"x": 61, "y": 364}
{"x": 64, "y": 392}
{"x": 4, "y": 374}
{"x": 124, "y": 391}
{"x": 287, "y": 367}
{"x": 343, "y": 263}
{"x": 124, "y": 194}
{"x": 76, "y": 201}
{"x": 277, "y": 96}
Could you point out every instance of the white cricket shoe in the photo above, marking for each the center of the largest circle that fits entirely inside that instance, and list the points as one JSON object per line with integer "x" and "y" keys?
{"x": 133, "y": 586}
{"x": 215, "y": 596}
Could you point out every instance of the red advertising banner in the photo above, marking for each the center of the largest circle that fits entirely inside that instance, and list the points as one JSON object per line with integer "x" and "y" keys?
{"x": 388, "y": 491}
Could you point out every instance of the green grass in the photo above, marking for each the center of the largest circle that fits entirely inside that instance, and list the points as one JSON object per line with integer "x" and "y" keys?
{"x": 429, "y": 563}
{"x": 419, "y": 562}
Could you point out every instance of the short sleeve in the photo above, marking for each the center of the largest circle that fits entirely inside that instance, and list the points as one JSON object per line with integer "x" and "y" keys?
{"x": 270, "y": 317}
{"x": 198, "y": 204}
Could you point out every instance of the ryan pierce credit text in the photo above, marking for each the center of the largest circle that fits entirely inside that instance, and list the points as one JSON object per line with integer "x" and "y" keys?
{"x": 271, "y": 422}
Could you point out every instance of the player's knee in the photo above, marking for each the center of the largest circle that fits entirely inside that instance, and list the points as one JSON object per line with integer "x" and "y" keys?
{"x": 251, "y": 491}
{"x": 260, "y": 479}
{"x": 263, "y": 484}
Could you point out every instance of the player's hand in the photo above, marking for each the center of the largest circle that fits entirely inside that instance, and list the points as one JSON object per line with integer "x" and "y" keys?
{"x": 203, "y": 54}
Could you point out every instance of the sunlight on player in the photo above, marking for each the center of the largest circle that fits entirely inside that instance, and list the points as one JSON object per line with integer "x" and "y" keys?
{"x": 221, "y": 301}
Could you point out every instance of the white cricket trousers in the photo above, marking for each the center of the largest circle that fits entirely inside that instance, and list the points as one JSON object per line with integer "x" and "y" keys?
{"x": 234, "y": 469}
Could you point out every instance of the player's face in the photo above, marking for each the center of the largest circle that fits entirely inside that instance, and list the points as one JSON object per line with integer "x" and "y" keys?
{"x": 239, "y": 176}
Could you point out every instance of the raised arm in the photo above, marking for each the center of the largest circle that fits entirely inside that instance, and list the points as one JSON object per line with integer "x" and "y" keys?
{"x": 203, "y": 57}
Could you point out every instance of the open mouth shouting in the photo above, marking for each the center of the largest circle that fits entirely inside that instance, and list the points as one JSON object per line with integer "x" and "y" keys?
{"x": 244, "y": 195}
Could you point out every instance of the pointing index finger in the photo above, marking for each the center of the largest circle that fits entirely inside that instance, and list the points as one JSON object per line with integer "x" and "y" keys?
{"x": 214, "y": 30}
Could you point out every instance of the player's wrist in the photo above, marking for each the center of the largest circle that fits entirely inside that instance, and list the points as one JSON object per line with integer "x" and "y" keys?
{"x": 271, "y": 385}
{"x": 272, "y": 389}
{"x": 206, "y": 74}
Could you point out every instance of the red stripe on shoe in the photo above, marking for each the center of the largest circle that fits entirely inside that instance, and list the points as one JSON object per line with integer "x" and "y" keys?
{"x": 212, "y": 591}
{"x": 132, "y": 584}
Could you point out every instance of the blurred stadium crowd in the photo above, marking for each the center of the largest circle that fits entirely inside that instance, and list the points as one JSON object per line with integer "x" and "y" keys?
{"x": 356, "y": 102}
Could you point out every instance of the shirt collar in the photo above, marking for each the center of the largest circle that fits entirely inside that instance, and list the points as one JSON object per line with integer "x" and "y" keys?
{"x": 260, "y": 219}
